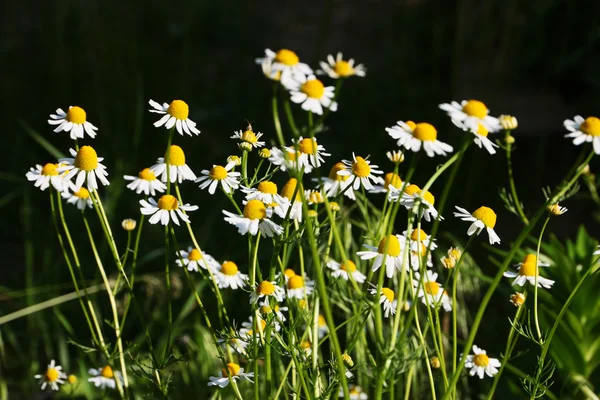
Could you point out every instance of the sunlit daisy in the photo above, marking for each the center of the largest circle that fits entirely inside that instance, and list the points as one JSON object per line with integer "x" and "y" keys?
{"x": 430, "y": 292}
{"x": 527, "y": 271}
{"x": 389, "y": 179}
{"x": 314, "y": 152}
{"x": 46, "y": 176}
{"x": 167, "y": 208}
{"x": 517, "y": 299}
{"x": 482, "y": 218}
{"x": 228, "y": 179}
{"x": 361, "y": 171}
{"x": 322, "y": 326}
{"x": 285, "y": 61}
{"x": 267, "y": 289}
{"x": 289, "y": 159}
{"x": 266, "y": 310}
{"x": 74, "y": 121}
{"x": 87, "y": 166}
{"x": 291, "y": 204}
{"x": 247, "y": 330}
{"x": 313, "y": 197}
{"x": 419, "y": 236}
{"x": 229, "y": 276}
{"x": 413, "y": 136}
{"x": 299, "y": 287}
{"x": 345, "y": 269}
{"x": 80, "y": 198}
{"x": 416, "y": 257}
{"x": 232, "y": 371}
{"x": 178, "y": 169}
{"x": 145, "y": 182}
{"x": 312, "y": 94}
{"x": 52, "y": 377}
{"x": 338, "y": 68}
{"x": 175, "y": 115}
{"x": 481, "y": 364}
{"x": 469, "y": 114}
{"x": 194, "y": 259}
{"x": 584, "y": 130}
{"x": 389, "y": 248}
{"x": 387, "y": 299}
{"x": 481, "y": 138}
{"x": 255, "y": 218}
{"x": 355, "y": 392}
{"x": 336, "y": 184}
{"x": 266, "y": 191}
{"x": 413, "y": 198}
{"x": 236, "y": 343}
{"x": 104, "y": 377}
{"x": 248, "y": 136}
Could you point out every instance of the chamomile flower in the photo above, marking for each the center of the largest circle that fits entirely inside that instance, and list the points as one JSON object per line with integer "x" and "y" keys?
{"x": 413, "y": 136}
{"x": 269, "y": 72}
{"x": 229, "y": 276}
{"x": 481, "y": 364}
{"x": 481, "y": 138}
{"x": 420, "y": 237}
{"x": 266, "y": 310}
{"x": 175, "y": 115}
{"x": 556, "y": 209}
{"x": 46, "y": 176}
{"x": 166, "y": 209}
{"x": 336, "y": 184}
{"x": 417, "y": 255}
{"x": 299, "y": 287}
{"x": 387, "y": 299}
{"x": 337, "y": 68}
{"x": 247, "y": 330}
{"x": 390, "y": 249}
{"x": 314, "y": 152}
{"x": 389, "y": 179}
{"x": 267, "y": 290}
{"x": 527, "y": 271}
{"x": 178, "y": 169}
{"x": 248, "y": 136}
{"x": 286, "y": 62}
{"x": 413, "y": 198}
{"x": 482, "y": 218}
{"x": 345, "y": 269}
{"x": 290, "y": 203}
{"x": 52, "y": 377}
{"x": 395, "y": 156}
{"x": 228, "y": 179}
{"x": 234, "y": 372}
{"x": 312, "y": 94}
{"x": 236, "y": 343}
{"x": 194, "y": 259}
{"x": 430, "y": 292}
{"x": 266, "y": 191}
{"x": 74, "y": 121}
{"x": 469, "y": 114}
{"x": 145, "y": 182}
{"x": 256, "y": 217}
{"x": 105, "y": 377}
{"x": 289, "y": 159}
{"x": 584, "y": 130}
{"x": 361, "y": 171}
{"x": 80, "y": 198}
{"x": 314, "y": 197}
{"x": 355, "y": 392}
{"x": 322, "y": 327}
{"x": 87, "y": 166}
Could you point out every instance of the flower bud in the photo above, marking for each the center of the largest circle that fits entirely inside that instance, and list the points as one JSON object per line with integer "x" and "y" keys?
{"x": 234, "y": 159}
{"x": 264, "y": 153}
{"x": 556, "y": 209}
{"x": 245, "y": 146}
{"x": 129, "y": 224}
{"x": 508, "y": 122}
{"x": 517, "y": 299}
{"x": 333, "y": 206}
{"x": 395, "y": 156}
{"x": 435, "y": 362}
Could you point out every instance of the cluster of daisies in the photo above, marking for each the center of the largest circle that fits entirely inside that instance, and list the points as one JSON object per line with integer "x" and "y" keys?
{"x": 54, "y": 376}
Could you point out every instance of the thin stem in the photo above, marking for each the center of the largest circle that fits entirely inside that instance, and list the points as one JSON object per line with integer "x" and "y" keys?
{"x": 275, "y": 111}
{"x": 511, "y": 182}
{"x": 537, "y": 274}
{"x": 454, "y": 304}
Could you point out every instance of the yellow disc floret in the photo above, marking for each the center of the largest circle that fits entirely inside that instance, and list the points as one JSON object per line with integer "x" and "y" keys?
{"x": 249, "y": 136}
{"x": 289, "y": 188}
{"x": 475, "y": 108}
{"x": 267, "y": 187}
{"x": 86, "y": 159}
{"x": 425, "y": 132}
{"x": 217, "y": 173}
{"x": 179, "y": 109}
{"x": 333, "y": 174}
{"x": 343, "y": 68}
{"x": 411, "y": 125}
{"x": 266, "y": 288}
{"x": 360, "y": 168}
{"x": 313, "y": 88}
{"x": 147, "y": 175}
{"x": 591, "y": 126}
{"x": 50, "y": 169}
{"x": 389, "y": 245}
{"x": 412, "y": 189}
{"x": 287, "y": 57}
{"x": 308, "y": 146}
{"x": 529, "y": 265}
{"x": 482, "y": 130}
{"x": 232, "y": 368}
{"x": 486, "y": 215}
{"x": 418, "y": 235}
{"x": 393, "y": 180}
{"x": 176, "y": 156}
{"x": 194, "y": 255}
{"x": 481, "y": 360}
{"x": 255, "y": 209}
{"x": 168, "y": 202}
{"x": 107, "y": 372}
{"x": 388, "y": 293}
{"x": 76, "y": 115}
{"x": 72, "y": 379}
{"x": 82, "y": 193}
{"x": 296, "y": 282}
{"x": 229, "y": 268}
{"x": 289, "y": 273}
{"x": 348, "y": 266}
{"x": 429, "y": 197}
{"x": 432, "y": 288}
{"x": 52, "y": 374}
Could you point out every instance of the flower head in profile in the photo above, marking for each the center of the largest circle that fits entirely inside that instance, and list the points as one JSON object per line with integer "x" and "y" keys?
{"x": 174, "y": 115}
{"x": 528, "y": 271}
{"x": 74, "y": 121}
{"x": 292, "y": 204}
{"x": 413, "y": 198}
{"x": 166, "y": 209}
{"x": 431, "y": 292}
{"x": 338, "y": 68}
{"x": 346, "y": 269}
{"x": 233, "y": 372}
{"x": 178, "y": 169}
{"x": 517, "y": 299}
{"x": 105, "y": 377}
{"x": 255, "y": 217}
{"x": 556, "y": 209}
{"x": 289, "y": 159}
{"x": 218, "y": 175}
{"x": 52, "y": 377}
{"x": 481, "y": 139}
{"x": 313, "y": 152}
{"x": 80, "y": 198}
{"x": 355, "y": 392}
{"x": 482, "y": 218}
{"x": 390, "y": 249}
{"x": 334, "y": 184}
{"x": 481, "y": 364}
{"x": 584, "y": 131}
{"x": 228, "y": 275}
{"x": 508, "y": 122}
{"x": 194, "y": 259}
{"x": 311, "y": 94}
{"x": 389, "y": 179}
{"x": 413, "y": 136}
{"x": 468, "y": 114}
{"x": 265, "y": 191}
{"x": 145, "y": 182}
{"x": 267, "y": 290}
{"x": 87, "y": 166}
{"x": 247, "y": 331}
{"x": 387, "y": 300}
{"x": 361, "y": 171}
{"x": 283, "y": 65}
{"x": 47, "y": 175}
{"x": 248, "y": 136}
{"x": 299, "y": 287}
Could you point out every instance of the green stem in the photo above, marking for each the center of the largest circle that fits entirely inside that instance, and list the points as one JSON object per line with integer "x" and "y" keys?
{"x": 275, "y": 111}
{"x": 535, "y": 286}
{"x": 454, "y": 304}
{"x": 511, "y": 182}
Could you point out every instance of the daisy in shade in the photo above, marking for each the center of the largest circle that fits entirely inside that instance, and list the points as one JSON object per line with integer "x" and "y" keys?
{"x": 417, "y": 257}
{"x": 291, "y": 203}
{"x": 229, "y": 180}
{"x": 469, "y": 114}
{"x": 345, "y": 269}
{"x": 389, "y": 179}
{"x": 248, "y": 136}
{"x": 322, "y": 326}
{"x": 430, "y": 292}
{"x": 289, "y": 159}
{"x": 178, "y": 169}
{"x": 482, "y": 218}
{"x": 335, "y": 183}
{"x": 233, "y": 372}
{"x": 413, "y": 136}
{"x": 584, "y": 130}
{"x": 247, "y": 330}
{"x": 229, "y": 276}
{"x": 337, "y": 68}
{"x": 390, "y": 248}
{"x": 355, "y": 392}
{"x": 527, "y": 271}
{"x": 311, "y": 94}
{"x": 481, "y": 138}
{"x": 387, "y": 300}
{"x": 277, "y": 312}
{"x": 256, "y": 217}
{"x": 194, "y": 259}
{"x": 413, "y": 198}
{"x": 420, "y": 237}
{"x": 174, "y": 115}
{"x": 361, "y": 171}
{"x": 267, "y": 290}
{"x": 80, "y": 198}
{"x": 167, "y": 208}
{"x": 74, "y": 121}
{"x": 269, "y": 72}
{"x": 286, "y": 62}
{"x": 87, "y": 166}
{"x": 46, "y": 176}
{"x": 314, "y": 152}
{"x": 104, "y": 377}
{"x": 299, "y": 287}
{"x": 145, "y": 182}
{"x": 52, "y": 377}
{"x": 237, "y": 344}
{"x": 481, "y": 364}
{"x": 266, "y": 191}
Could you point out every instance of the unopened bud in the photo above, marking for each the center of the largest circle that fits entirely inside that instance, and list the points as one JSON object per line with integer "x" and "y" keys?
{"x": 264, "y": 153}
{"x": 348, "y": 360}
{"x": 435, "y": 362}
{"x": 72, "y": 379}
{"x": 234, "y": 159}
{"x": 448, "y": 262}
{"x": 518, "y": 299}
{"x": 508, "y": 122}
{"x": 333, "y": 206}
{"x": 312, "y": 214}
{"x": 556, "y": 209}
{"x": 395, "y": 156}
{"x": 509, "y": 139}
{"x": 245, "y": 146}
{"x": 129, "y": 224}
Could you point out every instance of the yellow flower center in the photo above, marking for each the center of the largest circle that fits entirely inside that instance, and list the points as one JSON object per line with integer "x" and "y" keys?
{"x": 348, "y": 266}
{"x": 86, "y": 159}
{"x": 287, "y": 57}
{"x": 291, "y": 155}
{"x": 315, "y": 197}
{"x": 82, "y": 193}
{"x": 107, "y": 372}
{"x": 296, "y": 282}
{"x": 333, "y": 174}
{"x": 176, "y": 156}
{"x": 432, "y": 287}
{"x": 414, "y": 189}
{"x": 72, "y": 379}
{"x": 52, "y": 374}
{"x": 360, "y": 168}
{"x": 411, "y": 125}
{"x": 179, "y": 109}
{"x": 481, "y": 360}
{"x": 195, "y": 255}
{"x": 528, "y": 267}
{"x": 388, "y": 293}
{"x": 289, "y": 273}
{"x": 591, "y": 126}
{"x": 50, "y": 169}
{"x": 454, "y": 253}
{"x": 305, "y": 344}
{"x": 424, "y": 131}
{"x": 343, "y": 68}
{"x": 485, "y": 215}
{"x": 429, "y": 198}
{"x": 313, "y": 88}
{"x": 217, "y": 173}
{"x": 168, "y": 202}
{"x": 229, "y": 268}
{"x": 422, "y": 250}
{"x": 482, "y": 130}
{"x": 249, "y": 137}
{"x": 233, "y": 369}
{"x": 266, "y": 288}
{"x": 302, "y": 303}
{"x": 76, "y": 115}
{"x": 475, "y": 108}
{"x": 308, "y": 146}
{"x": 354, "y": 392}
{"x": 393, "y": 246}
{"x": 392, "y": 179}
{"x": 267, "y": 187}
{"x": 147, "y": 175}
{"x": 255, "y": 209}
{"x": 321, "y": 320}
{"x": 289, "y": 188}
{"x": 418, "y": 235}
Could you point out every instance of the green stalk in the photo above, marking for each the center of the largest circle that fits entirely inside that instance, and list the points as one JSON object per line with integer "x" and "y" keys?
{"x": 454, "y": 303}
{"x": 511, "y": 182}
{"x": 275, "y": 112}
{"x": 535, "y": 286}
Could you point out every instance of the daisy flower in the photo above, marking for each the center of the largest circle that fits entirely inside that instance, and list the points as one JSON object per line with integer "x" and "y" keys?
{"x": 322, "y": 326}
{"x": 355, "y": 392}
{"x": 299, "y": 287}
{"x": 469, "y": 114}
{"x": 289, "y": 159}
{"x": 287, "y": 193}
{"x": 314, "y": 197}
{"x": 344, "y": 269}
{"x": 482, "y": 218}
{"x": 556, "y": 209}
{"x": 389, "y": 179}
{"x": 175, "y": 115}
{"x": 229, "y": 276}
{"x": 87, "y": 166}
{"x": 194, "y": 259}
{"x": 429, "y": 290}
{"x": 314, "y": 152}
{"x": 267, "y": 290}
{"x": 508, "y": 122}
{"x": 414, "y": 199}
{"x": 178, "y": 169}
{"x": 104, "y": 377}
{"x": 247, "y": 330}
{"x": 481, "y": 138}
{"x": 389, "y": 248}
{"x": 237, "y": 344}
{"x": 420, "y": 237}
{"x": 413, "y": 136}
{"x": 266, "y": 310}
{"x": 481, "y": 364}
{"x": 255, "y": 218}
{"x": 234, "y": 372}
{"x": 395, "y": 156}
{"x": 387, "y": 300}
{"x": 286, "y": 62}
{"x": 361, "y": 171}
{"x": 167, "y": 208}
{"x": 266, "y": 191}
{"x": 526, "y": 272}
{"x": 248, "y": 136}
{"x": 46, "y": 176}
{"x": 269, "y": 72}
{"x": 80, "y": 198}
{"x": 336, "y": 183}
{"x": 52, "y": 377}
{"x": 229, "y": 180}
{"x": 74, "y": 121}
{"x": 584, "y": 130}
{"x": 338, "y": 68}
{"x": 517, "y": 299}
{"x": 416, "y": 257}
{"x": 312, "y": 94}
{"x": 145, "y": 182}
